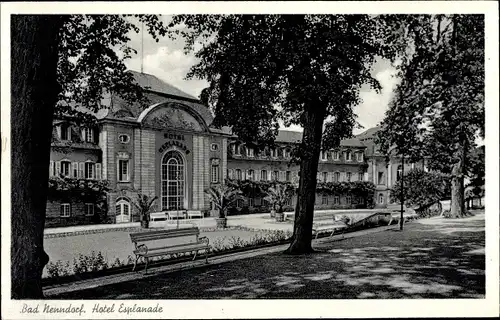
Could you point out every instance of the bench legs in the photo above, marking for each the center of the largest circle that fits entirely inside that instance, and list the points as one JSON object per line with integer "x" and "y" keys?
{"x": 195, "y": 253}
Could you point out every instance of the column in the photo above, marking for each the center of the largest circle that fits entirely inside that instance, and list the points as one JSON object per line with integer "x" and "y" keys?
{"x": 389, "y": 174}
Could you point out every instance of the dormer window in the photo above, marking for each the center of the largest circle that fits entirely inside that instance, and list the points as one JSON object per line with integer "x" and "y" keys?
{"x": 324, "y": 156}
{"x": 348, "y": 156}
{"x": 250, "y": 152}
{"x": 88, "y": 135}
{"x": 237, "y": 149}
{"x": 65, "y": 132}
{"x": 359, "y": 157}
{"x": 335, "y": 155}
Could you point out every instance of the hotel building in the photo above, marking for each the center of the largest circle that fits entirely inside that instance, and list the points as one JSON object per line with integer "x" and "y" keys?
{"x": 171, "y": 150}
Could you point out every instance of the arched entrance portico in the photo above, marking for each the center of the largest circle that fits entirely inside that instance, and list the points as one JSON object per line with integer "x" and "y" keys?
{"x": 173, "y": 181}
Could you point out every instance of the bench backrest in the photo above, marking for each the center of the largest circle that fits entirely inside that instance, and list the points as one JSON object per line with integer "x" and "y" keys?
{"x": 163, "y": 234}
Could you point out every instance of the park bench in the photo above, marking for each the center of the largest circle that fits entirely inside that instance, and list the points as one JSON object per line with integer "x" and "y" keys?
{"x": 194, "y": 213}
{"x": 333, "y": 228}
{"x": 184, "y": 244}
{"x": 157, "y": 215}
{"x": 176, "y": 214}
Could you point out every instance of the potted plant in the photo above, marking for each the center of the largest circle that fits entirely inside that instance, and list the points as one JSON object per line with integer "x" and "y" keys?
{"x": 144, "y": 204}
{"x": 278, "y": 195}
{"x": 222, "y": 196}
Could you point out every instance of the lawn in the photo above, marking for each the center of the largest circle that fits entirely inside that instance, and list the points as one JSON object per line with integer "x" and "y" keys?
{"x": 440, "y": 259}
{"x": 117, "y": 244}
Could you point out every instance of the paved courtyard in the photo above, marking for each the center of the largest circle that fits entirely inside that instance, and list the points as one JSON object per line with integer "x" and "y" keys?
{"x": 431, "y": 258}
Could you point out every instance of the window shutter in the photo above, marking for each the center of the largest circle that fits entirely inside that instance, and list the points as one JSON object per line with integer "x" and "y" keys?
{"x": 58, "y": 129}
{"x": 98, "y": 171}
{"x": 230, "y": 173}
{"x": 74, "y": 170}
{"x": 269, "y": 175}
{"x": 342, "y": 177}
{"x": 81, "y": 171}
{"x": 51, "y": 168}
{"x": 243, "y": 174}
{"x": 58, "y": 168}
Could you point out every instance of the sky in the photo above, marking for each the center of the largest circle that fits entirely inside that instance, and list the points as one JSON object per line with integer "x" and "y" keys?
{"x": 166, "y": 60}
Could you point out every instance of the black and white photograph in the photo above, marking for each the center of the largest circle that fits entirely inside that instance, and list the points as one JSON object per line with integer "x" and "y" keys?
{"x": 250, "y": 159}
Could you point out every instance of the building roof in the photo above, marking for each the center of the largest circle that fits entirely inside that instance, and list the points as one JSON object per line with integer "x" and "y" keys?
{"x": 152, "y": 83}
{"x": 288, "y": 136}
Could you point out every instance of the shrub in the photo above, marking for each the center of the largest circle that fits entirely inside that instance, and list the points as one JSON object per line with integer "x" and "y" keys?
{"x": 58, "y": 269}
{"x": 94, "y": 262}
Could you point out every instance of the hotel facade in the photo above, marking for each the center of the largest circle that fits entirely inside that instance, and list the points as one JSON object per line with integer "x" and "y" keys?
{"x": 170, "y": 150}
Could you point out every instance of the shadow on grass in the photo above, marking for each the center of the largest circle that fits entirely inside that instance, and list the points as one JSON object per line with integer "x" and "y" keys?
{"x": 420, "y": 262}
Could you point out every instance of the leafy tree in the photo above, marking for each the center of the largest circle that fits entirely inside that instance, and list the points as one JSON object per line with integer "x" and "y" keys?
{"x": 59, "y": 63}
{"x": 421, "y": 189}
{"x": 439, "y": 105}
{"x": 301, "y": 69}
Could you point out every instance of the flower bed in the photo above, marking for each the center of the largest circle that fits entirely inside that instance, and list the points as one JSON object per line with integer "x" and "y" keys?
{"x": 95, "y": 265}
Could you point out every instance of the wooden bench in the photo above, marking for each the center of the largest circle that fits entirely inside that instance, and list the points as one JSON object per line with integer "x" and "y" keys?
{"x": 140, "y": 240}
{"x": 194, "y": 213}
{"x": 157, "y": 215}
{"x": 176, "y": 214}
{"x": 332, "y": 228}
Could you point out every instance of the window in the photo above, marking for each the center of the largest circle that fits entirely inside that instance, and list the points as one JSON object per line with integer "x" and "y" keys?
{"x": 348, "y": 200}
{"x": 287, "y": 153}
{"x": 349, "y": 175}
{"x": 65, "y": 168}
{"x": 381, "y": 198}
{"x": 335, "y": 155}
{"x": 399, "y": 172}
{"x": 215, "y": 173}
{"x": 88, "y": 134}
{"x": 237, "y": 149}
{"x": 250, "y": 152}
{"x": 89, "y": 170}
{"x": 214, "y": 147}
{"x": 336, "y": 176}
{"x": 172, "y": 181}
{"x": 360, "y": 176}
{"x": 251, "y": 202}
{"x": 336, "y": 200}
{"x": 359, "y": 157}
{"x": 348, "y": 156}
{"x": 288, "y": 202}
{"x": 89, "y": 209}
{"x": 230, "y": 173}
{"x": 324, "y": 200}
{"x": 380, "y": 177}
{"x": 124, "y": 138}
{"x": 65, "y": 132}
{"x": 275, "y": 175}
{"x": 324, "y": 155}
{"x": 288, "y": 176}
{"x": 274, "y": 153}
{"x": 238, "y": 174}
{"x": 65, "y": 210}
{"x": 250, "y": 174}
{"x": 325, "y": 176}
{"x": 123, "y": 171}
{"x": 263, "y": 175}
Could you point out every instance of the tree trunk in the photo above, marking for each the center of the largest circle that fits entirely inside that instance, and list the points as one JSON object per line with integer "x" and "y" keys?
{"x": 306, "y": 196}
{"x": 34, "y": 91}
{"x": 457, "y": 208}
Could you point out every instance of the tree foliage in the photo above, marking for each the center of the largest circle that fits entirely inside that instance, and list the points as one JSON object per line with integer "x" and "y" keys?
{"x": 265, "y": 69}
{"x": 92, "y": 54}
{"x": 438, "y": 108}
{"x": 422, "y": 188}
{"x": 222, "y": 196}
{"x": 298, "y": 69}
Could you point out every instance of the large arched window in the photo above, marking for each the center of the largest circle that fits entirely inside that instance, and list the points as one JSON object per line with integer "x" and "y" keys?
{"x": 172, "y": 181}
{"x": 122, "y": 210}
